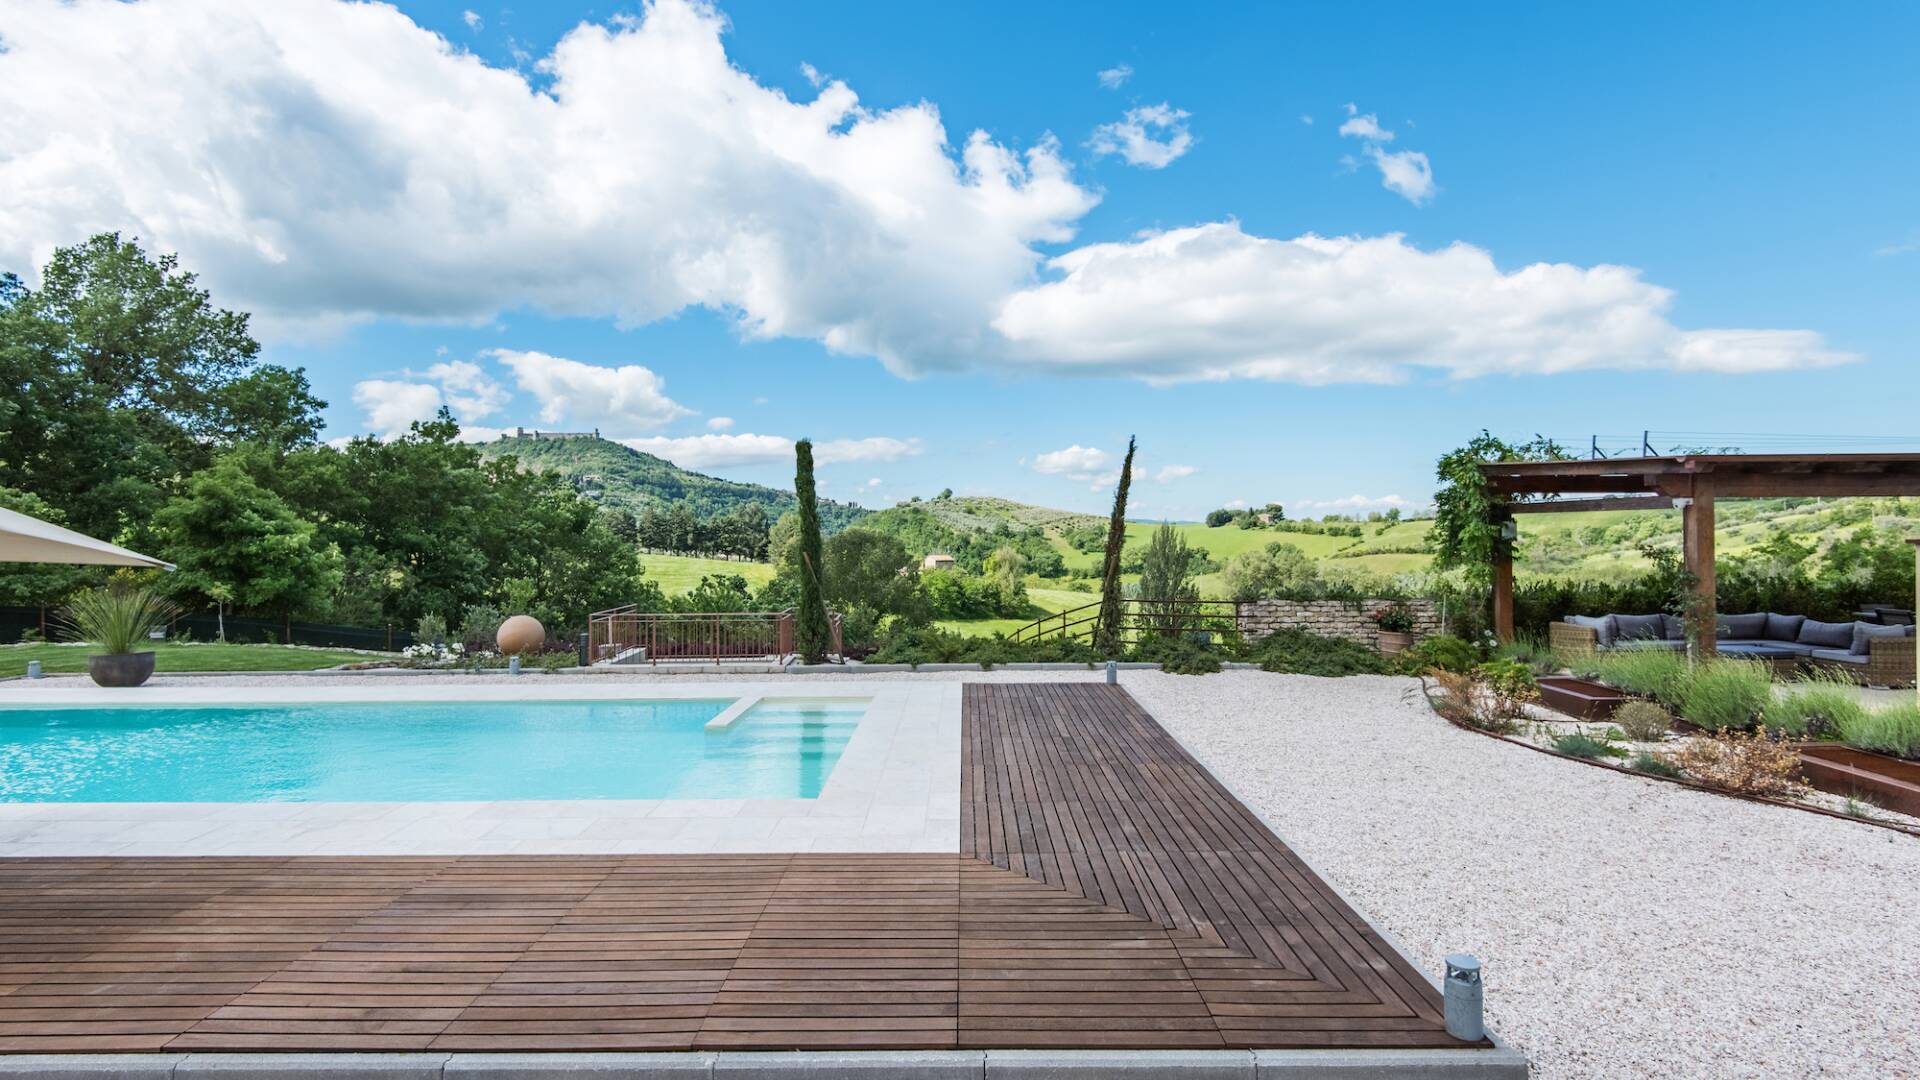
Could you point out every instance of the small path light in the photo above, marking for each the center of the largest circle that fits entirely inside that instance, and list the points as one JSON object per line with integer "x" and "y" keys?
{"x": 1113, "y": 672}
{"x": 1463, "y": 993}
{"x": 33, "y": 669}
{"x": 513, "y": 664}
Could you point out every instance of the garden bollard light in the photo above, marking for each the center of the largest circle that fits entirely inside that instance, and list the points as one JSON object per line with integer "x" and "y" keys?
{"x": 1113, "y": 672}
{"x": 1463, "y": 995}
{"x": 513, "y": 664}
{"x": 583, "y": 650}
{"x": 33, "y": 669}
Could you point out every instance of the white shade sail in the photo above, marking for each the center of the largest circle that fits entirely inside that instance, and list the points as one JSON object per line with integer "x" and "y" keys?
{"x": 26, "y": 539}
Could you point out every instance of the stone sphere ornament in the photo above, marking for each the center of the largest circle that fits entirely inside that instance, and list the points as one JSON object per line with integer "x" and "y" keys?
{"x": 521, "y": 634}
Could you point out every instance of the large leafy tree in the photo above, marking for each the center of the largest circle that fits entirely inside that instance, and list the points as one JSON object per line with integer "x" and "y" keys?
{"x": 1106, "y": 634}
{"x": 122, "y": 377}
{"x": 811, "y": 633}
{"x": 234, "y": 540}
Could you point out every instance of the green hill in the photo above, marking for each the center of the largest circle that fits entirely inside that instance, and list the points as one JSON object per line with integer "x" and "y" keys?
{"x": 623, "y": 477}
{"x": 971, "y": 527}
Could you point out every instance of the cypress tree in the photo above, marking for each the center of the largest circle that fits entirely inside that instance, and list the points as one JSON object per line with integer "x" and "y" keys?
{"x": 1106, "y": 632}
{"x": 811, "y": 635}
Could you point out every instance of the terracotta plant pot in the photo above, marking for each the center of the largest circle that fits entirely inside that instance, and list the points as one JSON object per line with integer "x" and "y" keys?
{"x": 121, "y": 669}
{"x": 1392, "y": 643}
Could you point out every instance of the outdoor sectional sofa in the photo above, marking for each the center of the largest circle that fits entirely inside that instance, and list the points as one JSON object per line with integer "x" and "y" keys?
{"x": 1869, "y": 653}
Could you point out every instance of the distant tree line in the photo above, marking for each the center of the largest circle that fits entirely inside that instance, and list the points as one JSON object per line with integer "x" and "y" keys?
{"x": 741, "y": 533}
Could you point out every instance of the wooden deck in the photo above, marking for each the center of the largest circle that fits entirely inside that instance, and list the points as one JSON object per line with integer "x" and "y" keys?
{"x": 1108, "y": 894}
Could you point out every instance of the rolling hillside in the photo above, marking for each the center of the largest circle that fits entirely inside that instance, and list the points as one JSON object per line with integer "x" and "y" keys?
{"x": 623, "y": 477}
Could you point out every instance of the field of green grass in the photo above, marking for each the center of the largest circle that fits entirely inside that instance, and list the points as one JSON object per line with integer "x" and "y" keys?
{"x": 1044, "y": 599}
{"x": 185, "y": 656}
{"x": 680, "y": 573}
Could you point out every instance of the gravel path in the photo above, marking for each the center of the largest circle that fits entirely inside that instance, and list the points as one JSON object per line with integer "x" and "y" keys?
{"x": 1629, "y": 928}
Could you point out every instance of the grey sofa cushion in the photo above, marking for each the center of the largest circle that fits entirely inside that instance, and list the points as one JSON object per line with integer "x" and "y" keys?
{"x": 1638, "y": 627}
{"x": 1784, "y": 627}
{"x": 1601, "y": 625}
{"x": 1843, "y": 656}
{"x": 1864, "y": 633}
{"x": 1826, "y": 635}
{"x": 1676, "y": 627}
{"x": 1742, "y": 627}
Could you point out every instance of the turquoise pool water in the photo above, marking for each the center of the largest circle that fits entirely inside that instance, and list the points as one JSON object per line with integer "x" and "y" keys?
{"x": 421, "y": 752}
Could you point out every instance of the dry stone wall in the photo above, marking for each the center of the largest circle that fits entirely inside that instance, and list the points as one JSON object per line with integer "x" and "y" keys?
{"x": 1331, "y": 618}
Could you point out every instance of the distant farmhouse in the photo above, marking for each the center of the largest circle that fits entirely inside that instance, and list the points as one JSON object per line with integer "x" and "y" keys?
{"x": 937, "y": 561}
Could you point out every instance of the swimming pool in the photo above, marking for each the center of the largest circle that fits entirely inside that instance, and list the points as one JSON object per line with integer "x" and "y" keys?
{"x": 422, "y": 751}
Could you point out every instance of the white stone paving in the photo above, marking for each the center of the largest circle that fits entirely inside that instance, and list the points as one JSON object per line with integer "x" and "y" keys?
{"x": 896, "y": 787}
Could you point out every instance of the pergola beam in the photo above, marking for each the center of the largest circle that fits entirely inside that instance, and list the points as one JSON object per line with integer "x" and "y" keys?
{"x": 1696, "y": 481}
{"x": 1574, "y": 506}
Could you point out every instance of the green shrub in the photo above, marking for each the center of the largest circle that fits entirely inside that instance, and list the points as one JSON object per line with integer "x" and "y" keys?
{"x": 1178, "y": 655}
{"x": 932, "y": 645}
{"x": 1728, "y": 693}
{"x": 1300, "y": 653}
{"x": 1532, "y": 651}
{"x": 1581, "y": 745}
{"x": 1441, "y": 651}
{"x": 1655, "y": 765}
{"x": 1509, "y": 685}
{"x": 1643, "y": 721}
{"x": 117, "y": 618}
{"x": 1656, "y": 673}
{"x": 1893, "y": 730}
{"x": 1814, "y": 708}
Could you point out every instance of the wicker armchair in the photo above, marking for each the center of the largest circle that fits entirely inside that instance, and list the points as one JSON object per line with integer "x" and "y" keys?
{"x": 1568, "y": 640}
{"x": 1890, "y": 662}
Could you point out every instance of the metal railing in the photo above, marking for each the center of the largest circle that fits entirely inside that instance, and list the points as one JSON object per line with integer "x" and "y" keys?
{"x": 708, "y": 636}
{"x": 1138, "y": 618}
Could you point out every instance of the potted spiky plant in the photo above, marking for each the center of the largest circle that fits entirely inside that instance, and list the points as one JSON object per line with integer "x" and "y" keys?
{"x": 118, "y": 619}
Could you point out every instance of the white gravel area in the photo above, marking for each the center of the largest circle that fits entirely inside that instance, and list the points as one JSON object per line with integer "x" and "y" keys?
{"x": 1629, "y": 927}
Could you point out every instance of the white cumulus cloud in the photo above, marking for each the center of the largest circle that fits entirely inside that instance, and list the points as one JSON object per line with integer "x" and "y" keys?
{"x": 719, "y": 451}
{"x": 391, "y": 405}
{"x": 473, "y": 20}
{"x": 1152, "y": 136}
{"x": 719, "y": 423}
{"x": 1076, "y": 461}
{"x": 1214, "y": 302}
{"x": 1406, "y": 173}
{"x": 1353, "y": 503}
{"x": 322, "y": 163}
{"x": 1170, "y": 473}
{"x": 470, "y": 391}
{"x": 625, "y": 398}
{"x": 1115, "y": 77}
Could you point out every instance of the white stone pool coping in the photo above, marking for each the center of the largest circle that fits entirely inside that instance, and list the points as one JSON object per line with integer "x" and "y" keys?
{"x": 895, "y": 788}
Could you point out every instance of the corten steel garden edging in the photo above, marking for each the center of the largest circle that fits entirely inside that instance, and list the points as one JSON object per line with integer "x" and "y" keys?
{"x": 1499, "y": 1063}
{"x": 1905, "y": 830}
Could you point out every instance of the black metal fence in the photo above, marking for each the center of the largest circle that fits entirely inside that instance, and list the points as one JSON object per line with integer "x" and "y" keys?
{"x": 205, "y": 626}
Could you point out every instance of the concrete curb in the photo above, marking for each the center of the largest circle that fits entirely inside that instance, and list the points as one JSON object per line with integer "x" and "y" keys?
{"x": 1500, "y": 1063}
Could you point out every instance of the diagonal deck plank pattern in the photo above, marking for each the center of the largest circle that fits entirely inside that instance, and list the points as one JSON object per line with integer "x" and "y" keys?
{"x": 1108, "y": 893}
{"x": 1074, "y": 785}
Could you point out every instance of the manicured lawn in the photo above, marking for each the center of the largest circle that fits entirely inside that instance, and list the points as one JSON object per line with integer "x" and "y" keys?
{"x": 680, "y": 573}
{"x": 175, "y": 656}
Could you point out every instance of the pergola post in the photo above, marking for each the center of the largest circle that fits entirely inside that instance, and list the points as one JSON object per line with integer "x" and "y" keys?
{"x": 1503, "y": 593}
{"x": 1915, "y": 541}
{"x": 1697, "y": 542}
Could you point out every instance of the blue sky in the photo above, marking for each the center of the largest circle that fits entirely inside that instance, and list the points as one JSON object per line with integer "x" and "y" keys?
{"x": 413, "y": 227}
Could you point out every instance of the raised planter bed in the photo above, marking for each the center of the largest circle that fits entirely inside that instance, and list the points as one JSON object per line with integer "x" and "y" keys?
{"x": 1583, "y": 699}
{"x": 1842, "y": 770}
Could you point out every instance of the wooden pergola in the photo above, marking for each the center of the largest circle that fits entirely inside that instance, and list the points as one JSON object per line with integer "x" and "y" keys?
{"x": 1690, "y": 483}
